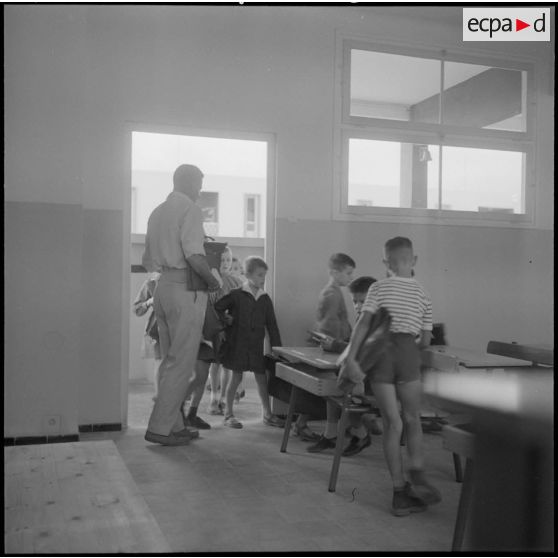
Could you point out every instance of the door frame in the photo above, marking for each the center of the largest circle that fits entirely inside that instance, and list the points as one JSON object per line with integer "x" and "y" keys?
{"x": 269, "y": 241}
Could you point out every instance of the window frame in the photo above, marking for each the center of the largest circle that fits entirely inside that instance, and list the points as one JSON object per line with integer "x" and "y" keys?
{"x": 359, "y": 127}
{"x": 256, "y": 221}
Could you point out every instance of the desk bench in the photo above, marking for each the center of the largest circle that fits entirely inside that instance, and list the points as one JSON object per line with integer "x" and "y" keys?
{"x": 318, "y": 376}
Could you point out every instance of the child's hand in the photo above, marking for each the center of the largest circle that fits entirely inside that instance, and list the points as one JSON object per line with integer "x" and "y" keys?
{"x": 217, "y": 276}
{"x": 228, "y": 319}
{"x": 327, "y": 343}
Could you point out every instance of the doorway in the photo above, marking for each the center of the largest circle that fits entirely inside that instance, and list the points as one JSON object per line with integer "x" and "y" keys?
{"x": 238, "y": 206}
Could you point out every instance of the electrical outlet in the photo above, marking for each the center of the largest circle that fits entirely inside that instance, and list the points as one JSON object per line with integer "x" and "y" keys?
{"x": 52, "y": 424}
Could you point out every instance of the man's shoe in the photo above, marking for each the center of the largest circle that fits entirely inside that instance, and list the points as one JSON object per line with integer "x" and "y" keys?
{"x": 356, "y": 445}
{"x": 172, "y": 440}
{"x": 404, "y": 503}
{"x": 189, "y": 433}
{"x": 322, "y": 444}
{"x": 422, "y": 488}
{"x": 197, "y": 422}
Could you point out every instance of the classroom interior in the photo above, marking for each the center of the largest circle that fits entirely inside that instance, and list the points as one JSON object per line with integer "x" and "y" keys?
{"x": 79, "y": 81}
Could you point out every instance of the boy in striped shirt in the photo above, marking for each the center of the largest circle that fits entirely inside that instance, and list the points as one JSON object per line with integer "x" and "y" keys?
{"x": 397, "y": 375}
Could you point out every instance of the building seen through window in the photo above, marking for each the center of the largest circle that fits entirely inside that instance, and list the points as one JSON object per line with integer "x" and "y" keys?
{"x": 234, "y": 185}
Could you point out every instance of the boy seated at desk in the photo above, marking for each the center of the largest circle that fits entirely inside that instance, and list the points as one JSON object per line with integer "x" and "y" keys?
{"x": 360, "y": 437}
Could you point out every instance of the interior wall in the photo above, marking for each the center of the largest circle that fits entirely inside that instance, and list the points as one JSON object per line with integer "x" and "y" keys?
{"x": 77, "y": 78}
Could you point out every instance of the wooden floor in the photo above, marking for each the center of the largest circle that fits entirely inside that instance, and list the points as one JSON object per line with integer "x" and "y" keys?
{"x": 74, "y": 498}
{"x": 229, "y": 491}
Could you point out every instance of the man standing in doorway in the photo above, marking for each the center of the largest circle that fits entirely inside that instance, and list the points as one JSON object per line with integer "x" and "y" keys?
{"x": 174, "y": 247}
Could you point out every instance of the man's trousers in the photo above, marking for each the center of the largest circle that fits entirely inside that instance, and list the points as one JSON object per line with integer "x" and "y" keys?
{"x": 180, "y": 315}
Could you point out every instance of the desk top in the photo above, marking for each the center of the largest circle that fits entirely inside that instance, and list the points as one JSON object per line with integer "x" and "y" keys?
{"x": 314, "y": 356}
{"x": 511, "y": 393}
{"x": 472, "y": 359}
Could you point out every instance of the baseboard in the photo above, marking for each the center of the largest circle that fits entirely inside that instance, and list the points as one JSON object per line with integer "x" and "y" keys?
{"x": 103, "y": 427}
{"x": 29, "y": 440}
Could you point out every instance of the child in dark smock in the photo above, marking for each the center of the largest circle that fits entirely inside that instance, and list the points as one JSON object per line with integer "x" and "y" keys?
{"x": 249, "y": 313}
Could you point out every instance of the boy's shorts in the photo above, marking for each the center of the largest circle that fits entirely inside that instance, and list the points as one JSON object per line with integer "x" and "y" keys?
{"x": 400, "y": 363}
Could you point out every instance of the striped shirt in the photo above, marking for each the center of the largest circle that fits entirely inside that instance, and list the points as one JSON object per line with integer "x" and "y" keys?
{"x": 407, "y": 302}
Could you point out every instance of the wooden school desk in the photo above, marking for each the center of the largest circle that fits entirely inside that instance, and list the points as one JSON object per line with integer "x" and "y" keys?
{"x": 509, "y": 489}
{"x": 313, "y": 370}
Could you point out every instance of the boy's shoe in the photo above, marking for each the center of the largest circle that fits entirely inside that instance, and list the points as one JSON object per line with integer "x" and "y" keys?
{"x": 305, "y": 434}
{"x": 197, "y": 422}
{"x": 422, "y": 488}
{"x": 322, "y": 444}
{"x": 171, "y": 440}
{"x": 404, "y": 503}
{"x": 190, "y": 433}
{"x": 274, "y": 420}
{"x": 231, "y": 422}
{"x": 239, "y": 395}
{"x": 214, "y": 408}
{"x": 356, "y": 445}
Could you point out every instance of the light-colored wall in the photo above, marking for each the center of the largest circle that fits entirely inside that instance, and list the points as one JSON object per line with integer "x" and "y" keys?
{"x": 78, "y": 78}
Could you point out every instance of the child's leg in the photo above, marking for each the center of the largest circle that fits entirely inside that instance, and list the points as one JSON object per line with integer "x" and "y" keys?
{"x": 234, "y": 380}
{"x": 225, "y": 378}
{"x": 197, "y": 388}
{"x": 261, "y": 383}
{"x": 333, "y": 414}
{"x": 268, "y": 417}
{"x": 202, "y": 372}
{"x": 409, "y": 394}
{"x": 387, "y": 402}
{"x": 214, "y": 381}
{"x": 327, "y": 439}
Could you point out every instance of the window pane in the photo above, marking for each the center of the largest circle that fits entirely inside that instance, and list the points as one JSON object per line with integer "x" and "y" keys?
{"x": 484, "y": 97}
{"x": 483, "y": 180}
{"x": 392, "y": 174}
{"x": 394, "y": 87}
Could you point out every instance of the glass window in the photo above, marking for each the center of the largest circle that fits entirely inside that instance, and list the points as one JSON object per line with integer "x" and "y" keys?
{"x": 443, "y": 133}
{"x": 389, "y": 86}
{"x": 392, "y": 174}
{"x": 483, "y": 180}
{"x": 251, "y": 215}
{"x": 483, "y": 97}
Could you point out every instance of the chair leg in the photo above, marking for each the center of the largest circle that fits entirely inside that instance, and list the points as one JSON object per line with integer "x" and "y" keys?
{"x": 339, "y": 446}
{"x": 289, "y": 419}
{"x": 457, "y": 467}
{"x": 463, "y": 508}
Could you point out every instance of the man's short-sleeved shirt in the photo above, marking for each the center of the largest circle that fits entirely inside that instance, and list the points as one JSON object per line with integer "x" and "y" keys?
{"x": 406, "y": 300}
{"x": 174, "y": 233}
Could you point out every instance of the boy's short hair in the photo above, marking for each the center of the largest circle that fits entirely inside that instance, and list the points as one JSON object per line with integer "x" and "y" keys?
{"x": 339, "y": 261}
{"x": 361, "y": 284}
{"x": 397, "y": 243}
{"x": 251, "y": 263}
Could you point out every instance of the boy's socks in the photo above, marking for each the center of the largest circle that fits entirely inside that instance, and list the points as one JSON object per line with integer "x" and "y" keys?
{"x": 192, "y": 412}
{"x": 330, "y": 430}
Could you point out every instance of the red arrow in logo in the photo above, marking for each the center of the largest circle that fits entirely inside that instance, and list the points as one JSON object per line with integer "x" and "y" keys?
{"x": 519, "y": 25}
